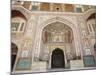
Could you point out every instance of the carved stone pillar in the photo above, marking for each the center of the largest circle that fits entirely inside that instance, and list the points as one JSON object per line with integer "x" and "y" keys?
{"x": 31, "y": 32}
{"x": 82, "y": 32}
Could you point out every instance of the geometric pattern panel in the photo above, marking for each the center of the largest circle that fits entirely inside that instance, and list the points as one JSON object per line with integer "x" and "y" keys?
{"x": 89, "y": 61}
{"x": 23, "y": 64}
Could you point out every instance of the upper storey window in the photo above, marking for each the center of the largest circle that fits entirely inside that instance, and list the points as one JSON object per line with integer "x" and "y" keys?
{"x": 35, "y": 6}
{"x": 57, "y": 33}
{"x": 79, "y": 8}
{"x": 18, "y": 22}
{"x": 17, "y": 25}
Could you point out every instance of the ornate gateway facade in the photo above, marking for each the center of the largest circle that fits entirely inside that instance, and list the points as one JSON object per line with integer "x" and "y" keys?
{"x": 52, "y": 37}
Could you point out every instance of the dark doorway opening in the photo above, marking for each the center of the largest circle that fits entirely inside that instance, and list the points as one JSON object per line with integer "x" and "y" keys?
{"x": 57, "y": 60}
{"x": 14, "y": 51}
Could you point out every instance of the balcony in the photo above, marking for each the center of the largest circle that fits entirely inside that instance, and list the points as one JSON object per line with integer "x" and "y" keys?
{"x": 52, "y": 7}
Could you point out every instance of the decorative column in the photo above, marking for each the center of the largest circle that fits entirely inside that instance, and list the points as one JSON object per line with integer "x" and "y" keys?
{"x": 77, "y": 43}
{"x": 82, "y": 32}
{"x": 37, "y": 44}
{"x": 31, "y": 32}
{"x": 85, "y": 39}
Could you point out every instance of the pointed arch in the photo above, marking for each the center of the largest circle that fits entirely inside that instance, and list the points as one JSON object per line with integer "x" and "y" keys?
{"x": 57, "y": 60}
{"x": 57, "y": 19}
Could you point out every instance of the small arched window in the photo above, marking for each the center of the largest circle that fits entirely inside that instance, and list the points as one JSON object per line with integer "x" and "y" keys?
{"x": 18, "y": 24}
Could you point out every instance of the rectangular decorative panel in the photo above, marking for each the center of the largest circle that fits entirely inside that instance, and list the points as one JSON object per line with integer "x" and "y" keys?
{"x": 23, "y": 64}
{"x": 89, "y": 61}
{"x": 69, "y": 7}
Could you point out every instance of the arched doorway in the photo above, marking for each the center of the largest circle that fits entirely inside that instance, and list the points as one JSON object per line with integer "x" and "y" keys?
{"x": 14, "y": 50}
{"x": 57, "y": 60}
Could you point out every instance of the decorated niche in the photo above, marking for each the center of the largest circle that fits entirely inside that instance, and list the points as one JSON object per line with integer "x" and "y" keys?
{"x": 57, "y": 33}
{"x": 46, "y": 36}
{"x": 27, "y": 43}
{"x": 87, "y": 51}
{"x": 57, "y": 37}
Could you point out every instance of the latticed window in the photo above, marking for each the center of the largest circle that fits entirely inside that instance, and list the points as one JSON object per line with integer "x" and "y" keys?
{"x": 18, "y": 24}
{"x": 79, "y": 8}
{"x": 35, "y": 6}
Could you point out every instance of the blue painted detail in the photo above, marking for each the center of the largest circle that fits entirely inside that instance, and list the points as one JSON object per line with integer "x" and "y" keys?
{"x": 23, "y": 64}
{"x": 78, "y": 9}
{"x": 89, "y": 61}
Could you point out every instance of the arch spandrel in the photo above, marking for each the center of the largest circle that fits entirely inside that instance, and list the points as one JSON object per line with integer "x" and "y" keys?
{"x": 25, "y": 12}
{"x": 56, "y": 19}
